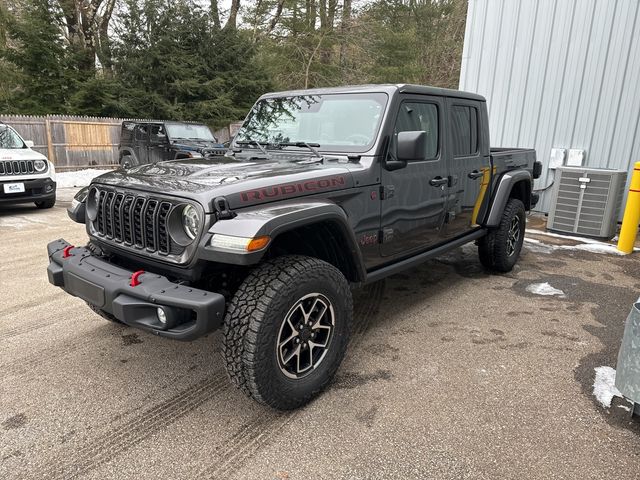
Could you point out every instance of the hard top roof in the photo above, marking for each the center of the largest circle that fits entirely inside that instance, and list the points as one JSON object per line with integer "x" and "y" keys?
{"x": 187, "y": 122}
{"x": 390, "y": 89}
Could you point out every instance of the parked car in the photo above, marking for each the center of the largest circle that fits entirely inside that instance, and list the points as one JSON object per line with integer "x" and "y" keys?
{"x": 151, "y": 142}
{"x": 25, "y": 175}
{"x": 326, "y": 190}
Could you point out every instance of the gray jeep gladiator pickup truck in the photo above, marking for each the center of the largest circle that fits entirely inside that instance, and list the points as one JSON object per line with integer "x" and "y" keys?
{"x": 321, "y": 191}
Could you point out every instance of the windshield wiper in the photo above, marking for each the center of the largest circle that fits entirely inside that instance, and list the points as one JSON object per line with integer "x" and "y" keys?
{"x": 256, "y": 143}
{"x": 310, "y": 146}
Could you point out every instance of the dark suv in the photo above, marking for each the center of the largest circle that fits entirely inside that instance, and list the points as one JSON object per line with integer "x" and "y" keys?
{"x": 151, "y": 142}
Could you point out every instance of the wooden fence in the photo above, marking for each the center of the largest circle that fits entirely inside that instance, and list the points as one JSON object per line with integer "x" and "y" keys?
{"x": 75, "y": 142}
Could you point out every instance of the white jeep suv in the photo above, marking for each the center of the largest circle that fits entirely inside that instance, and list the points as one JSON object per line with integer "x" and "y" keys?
{"x": 25, "y": 175}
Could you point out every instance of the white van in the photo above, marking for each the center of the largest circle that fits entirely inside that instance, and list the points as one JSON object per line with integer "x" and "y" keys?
{"x": 25, "y": 175}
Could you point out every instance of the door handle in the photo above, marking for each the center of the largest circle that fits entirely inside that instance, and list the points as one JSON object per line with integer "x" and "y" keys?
{"x": 475, "y": 174}
{"x": 438, "y": 181}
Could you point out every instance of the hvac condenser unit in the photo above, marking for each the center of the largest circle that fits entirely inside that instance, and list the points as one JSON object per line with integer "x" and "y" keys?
{"x": 586, "y": 201}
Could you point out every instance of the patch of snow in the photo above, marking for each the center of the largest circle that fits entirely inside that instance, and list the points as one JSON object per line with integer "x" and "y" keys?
{"x": 537, "y": 246}
{"x": 624, "y": 407}
{"x": 587, "y": 244}
{"x": 591, "y": 247}
{"x": 604, "y": 387}
{"x": 558, "y": 235}
{"x": 594, "y": 248}
{"x": 80, "y": 178}
{"x": 544, "y": 289}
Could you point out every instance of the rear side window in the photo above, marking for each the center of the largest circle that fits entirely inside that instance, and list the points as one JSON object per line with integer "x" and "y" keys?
{"x": 464, "y": 130}
{"x": 414, "y": 116}
{"x": 141, "y": 132}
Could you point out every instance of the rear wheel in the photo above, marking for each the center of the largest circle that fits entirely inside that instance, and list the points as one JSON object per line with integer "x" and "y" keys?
{"x": 286, "y": 330}
{"x": 499, "y": 250}
{"x": 49, "y": 203}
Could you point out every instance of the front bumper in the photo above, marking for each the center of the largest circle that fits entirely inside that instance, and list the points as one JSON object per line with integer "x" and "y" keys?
{"x": 36, "y": 190}
{"x": 191, "y": 313}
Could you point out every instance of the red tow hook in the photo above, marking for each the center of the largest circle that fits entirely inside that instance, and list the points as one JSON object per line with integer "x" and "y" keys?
{"x": 135, "y": 276}
{"x": 66, "y": 251}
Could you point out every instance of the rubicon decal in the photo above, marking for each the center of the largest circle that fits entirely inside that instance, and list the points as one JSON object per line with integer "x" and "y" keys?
{"x": 308, "y": 186}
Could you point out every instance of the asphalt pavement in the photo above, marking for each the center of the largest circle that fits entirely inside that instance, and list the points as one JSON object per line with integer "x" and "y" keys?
{"x": 451, "y": 373}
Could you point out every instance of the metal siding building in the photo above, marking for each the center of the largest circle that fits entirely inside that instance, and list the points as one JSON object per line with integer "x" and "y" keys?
{"x": 558, "y": 74}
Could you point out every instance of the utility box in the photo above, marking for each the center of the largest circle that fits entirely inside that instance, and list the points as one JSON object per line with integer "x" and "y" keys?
{"x": 586, "y": 201}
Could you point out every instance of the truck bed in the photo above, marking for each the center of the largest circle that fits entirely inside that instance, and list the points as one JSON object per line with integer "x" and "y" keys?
{"x": 513, "y": 157}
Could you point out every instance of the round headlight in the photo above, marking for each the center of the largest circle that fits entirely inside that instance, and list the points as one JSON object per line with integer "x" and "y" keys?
{"x": 190, "y": 221}
{"x": 92, "y": 202}
{"x": 40, "y": 165}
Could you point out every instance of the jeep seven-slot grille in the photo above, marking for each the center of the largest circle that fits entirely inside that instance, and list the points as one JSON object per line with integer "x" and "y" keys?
{"x": 16, "y": 167}
{"x": 135, "y": 221}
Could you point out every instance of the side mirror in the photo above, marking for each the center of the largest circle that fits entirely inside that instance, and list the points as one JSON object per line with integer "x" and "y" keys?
{"x": 29, "y": 143}
{"x": 412, "y": 146}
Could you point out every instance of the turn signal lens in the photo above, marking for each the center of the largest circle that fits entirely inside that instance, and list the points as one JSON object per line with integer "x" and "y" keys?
{"x": 239, "y": 244}
{"x": 257, "y": 243}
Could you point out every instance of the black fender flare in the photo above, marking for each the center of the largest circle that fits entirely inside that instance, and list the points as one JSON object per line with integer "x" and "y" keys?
{"x": 127, "y": 151}
{"x": 503, "y": 192}
{"x": 275, "y": 219}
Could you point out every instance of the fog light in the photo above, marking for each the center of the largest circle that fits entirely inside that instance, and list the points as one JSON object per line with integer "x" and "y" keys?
{"x": 162, "y": 316}
{"x": 48, "y": 188}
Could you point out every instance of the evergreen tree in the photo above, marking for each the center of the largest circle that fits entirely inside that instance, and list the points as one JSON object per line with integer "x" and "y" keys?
{"x": 36, "y": 49}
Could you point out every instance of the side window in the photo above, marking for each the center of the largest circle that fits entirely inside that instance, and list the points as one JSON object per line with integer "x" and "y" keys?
{"x": 157, "y": 134}
{"x": 414, "y": 116}
{"x": 464, "y": 130}
{"x": 141, "y": 133}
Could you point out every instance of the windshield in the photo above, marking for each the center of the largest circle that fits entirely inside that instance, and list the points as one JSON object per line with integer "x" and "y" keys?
{"x": 9, "y": 138}
{"x": 334, "y": 122}
{"x": 191, "y": 132}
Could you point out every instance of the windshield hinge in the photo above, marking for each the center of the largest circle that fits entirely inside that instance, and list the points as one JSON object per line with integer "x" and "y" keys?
{"x": 387, "y": 192}
{"x": 223, "y": 212}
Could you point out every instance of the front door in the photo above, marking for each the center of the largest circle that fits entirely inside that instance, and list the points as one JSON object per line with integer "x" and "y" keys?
{"x": 412, "y": 210}
{"x": 468, "y": 165}
{"x": 142, "y": 143}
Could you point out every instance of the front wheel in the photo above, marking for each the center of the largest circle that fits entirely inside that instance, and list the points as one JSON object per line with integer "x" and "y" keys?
{"x": 127, "y": 162}
{"x": 500, "y": 248}
{"x": 286, "y": 330}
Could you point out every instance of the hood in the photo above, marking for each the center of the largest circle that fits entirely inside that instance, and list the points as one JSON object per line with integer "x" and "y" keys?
{"x": 20, "y": 154}
{"x": 242, "y": 183}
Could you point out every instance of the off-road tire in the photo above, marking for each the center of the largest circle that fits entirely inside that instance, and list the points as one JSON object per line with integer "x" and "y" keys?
{"x": 46, "y": 203}
{"x": 253, "y": 323}
{"x": 493, "y": 248}
{"x": 105, "y": 315}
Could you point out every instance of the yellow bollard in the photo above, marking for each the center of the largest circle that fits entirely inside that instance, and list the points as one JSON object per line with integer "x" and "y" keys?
{"x": 631, "y": 218}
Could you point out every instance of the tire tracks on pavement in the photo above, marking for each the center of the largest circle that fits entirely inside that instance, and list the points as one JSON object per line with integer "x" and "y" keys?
{"x": 128, "y": 434}
{"x": 262, "y": 430}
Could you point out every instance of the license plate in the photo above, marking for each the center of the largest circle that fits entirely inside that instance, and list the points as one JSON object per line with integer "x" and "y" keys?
{"x": 14, "y": 188}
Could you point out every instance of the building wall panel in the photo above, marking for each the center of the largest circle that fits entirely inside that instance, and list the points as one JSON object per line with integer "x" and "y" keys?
{"x": 558, "y": 73}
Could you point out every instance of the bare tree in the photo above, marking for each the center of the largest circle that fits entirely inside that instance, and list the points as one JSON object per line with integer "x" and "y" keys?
{"x": 232, "y": 21}
{"x": 87, "y": 23}
{"x": 215, "y": 13}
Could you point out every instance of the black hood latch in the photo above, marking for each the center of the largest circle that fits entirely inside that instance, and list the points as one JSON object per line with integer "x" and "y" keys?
{"x": 223, "y": 212}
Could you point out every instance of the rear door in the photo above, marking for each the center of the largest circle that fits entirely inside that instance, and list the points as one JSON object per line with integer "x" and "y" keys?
{"x": 468, "y": 166}
{"x": 412, "y": 210}
{"x": 158, "y": 143}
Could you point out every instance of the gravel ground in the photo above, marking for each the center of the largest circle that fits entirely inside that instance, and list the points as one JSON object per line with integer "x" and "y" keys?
{"x": 451, "y": 373}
